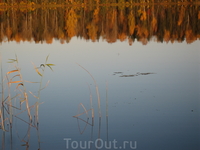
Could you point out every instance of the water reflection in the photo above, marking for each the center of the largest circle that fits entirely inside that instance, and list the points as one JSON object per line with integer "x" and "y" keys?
{"x": 143, "y": 23}
{"x": 159, "y": 111}
{"x": 17, "y": 110}
{"x": 153, "y": 95}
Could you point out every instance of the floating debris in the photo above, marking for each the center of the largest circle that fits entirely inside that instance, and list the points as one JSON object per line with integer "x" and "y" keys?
{"x": 137, "y": 74}
{"x": 117, "y": 73}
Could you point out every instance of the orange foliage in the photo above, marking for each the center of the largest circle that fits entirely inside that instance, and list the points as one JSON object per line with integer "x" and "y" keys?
{"x": 144, "y": 16}
{"x": 122, "y": 36}
{"x": 60, "y": 34}
{"x": 49, "y": 39}
{"x": 92, "y": 31}
{"x": 111, "y": 23}
{"x": 96, "y": 15}
{"x": 190, "y": 36}
{"x": 113, "y": 18}
{"x": 131, "y": 22}
{"x": 154, "y": 24}
{"x": 130, "y": 41}
{"x": 166, "y": 36}
{"x": 17, "y": 38}
{"x": 71, "y": 23}
{"x": 121, "y": 17}
{"x": 181, "y": 16}
{"x": 8, "y": 32}
{"x": 142, "y": 32}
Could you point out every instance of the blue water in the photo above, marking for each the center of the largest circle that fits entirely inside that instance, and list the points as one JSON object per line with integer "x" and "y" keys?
{"x": 156, "y": 111}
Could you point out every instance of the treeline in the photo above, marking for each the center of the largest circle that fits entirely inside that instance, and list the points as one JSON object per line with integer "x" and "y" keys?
{"x": 142, "y": 23}
{"x": 92, "y": 2}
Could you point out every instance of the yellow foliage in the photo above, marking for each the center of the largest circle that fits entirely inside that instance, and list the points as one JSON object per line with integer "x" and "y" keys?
{"x": 112, "y": 15}
{"x": 96, "y": 15}
{"x": 166, "y": 36}
{"x": 142, "y": 32}
{"x": 97, "y": 1}
{"x": 71, "y": 23}
{"x": 130, "y": 41}
{"x": 8, "y": 32}
{"x": 122, "y": 36}
{"x": 154, "y": 24}
{"x": 22, "y": 3}
{"x": 131, "y": 22}
{"x": 189, "y": 35}
{"x": 17, "y": 38}
{"x": 142, "y": 14}
{"x": 92, "y": 31}
{"x": 49, "y": 39}
{"x": 121, "y": 17}
{"x": 181, "y": 16}
{"x": 60, "y": 34}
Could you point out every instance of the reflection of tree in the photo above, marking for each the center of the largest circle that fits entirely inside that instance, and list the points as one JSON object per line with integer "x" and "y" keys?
{"x": 142, "y": 23}
{"x": 111, "y": 26}
{"x": 71, "y": 23}
{"x": 92, "y": 27}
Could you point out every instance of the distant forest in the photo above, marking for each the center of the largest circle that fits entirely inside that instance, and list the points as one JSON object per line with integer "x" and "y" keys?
{"x": 92, "y": 2}
{"x": 160, "y": 23}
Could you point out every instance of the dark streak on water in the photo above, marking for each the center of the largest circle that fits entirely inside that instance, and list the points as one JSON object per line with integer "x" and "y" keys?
{"x": 137, "y": 74}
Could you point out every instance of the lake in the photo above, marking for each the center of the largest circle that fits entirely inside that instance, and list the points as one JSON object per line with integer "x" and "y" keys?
{"x": 100, "y": 78}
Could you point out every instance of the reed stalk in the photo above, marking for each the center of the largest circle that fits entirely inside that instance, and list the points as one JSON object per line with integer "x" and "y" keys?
{"x": 91, "y": 105}
{"x": 21, "y": 83}
{"x": 107, "y": 112}
{"x": 43, "y": 67}
{"x": 2, "y": 98}
{"x": 97, "y": 91}
{"x": 106, "y": 99}
{"x": 14, "y": 77}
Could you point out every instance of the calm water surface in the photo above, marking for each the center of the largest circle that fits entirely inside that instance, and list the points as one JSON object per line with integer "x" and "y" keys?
{"x": 152, "y": 95}
{"x": 149, "y": 91}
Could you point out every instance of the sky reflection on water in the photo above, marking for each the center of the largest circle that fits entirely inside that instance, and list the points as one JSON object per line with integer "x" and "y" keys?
{"x": 159, "y": 111}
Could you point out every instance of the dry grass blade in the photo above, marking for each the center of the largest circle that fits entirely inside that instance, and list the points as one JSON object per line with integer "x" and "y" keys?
{"x": 22, "y": 101}
{"x": 45, "y": 86}
{"x": 12, "y": 71}
{"x": 24, "y": 121}
{"x": 20, "y": 84}
{"x": 33, "y": 95}
{"x": 8, "y": 103}
{"x": 27, "y": 106}
{"x": 2, "y": 121}
{"x": 17, "y": 75}
{"x": 91, "y": 102}
{"x": 36, "y": 112}
{"x": 106, "y": 98}
{"x": 14, "y": 82}
{"x": 2, "y": 98}
{"x": 81, "y": 132}
{"x": 97, "y": 90}
{"x": 36, "y": 69}
{"x": 30, "y": 81}
{"x": 85, "y": 111}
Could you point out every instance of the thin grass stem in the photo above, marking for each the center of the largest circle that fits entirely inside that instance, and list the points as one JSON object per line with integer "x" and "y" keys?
{"x": 91, "y": 105}
{"x": 2, "y": 99}
{"x": 97, "y": 90}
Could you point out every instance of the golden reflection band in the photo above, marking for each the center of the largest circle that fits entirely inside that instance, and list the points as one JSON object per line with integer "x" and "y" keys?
{"x": 161, "y": 23}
